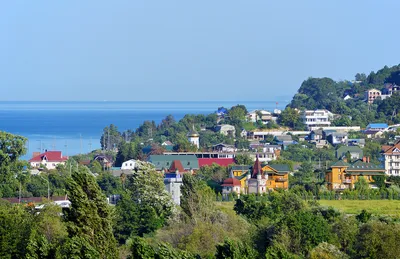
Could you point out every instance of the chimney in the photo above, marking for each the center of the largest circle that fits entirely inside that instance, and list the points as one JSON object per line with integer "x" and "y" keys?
{"x": 364, "y": 159}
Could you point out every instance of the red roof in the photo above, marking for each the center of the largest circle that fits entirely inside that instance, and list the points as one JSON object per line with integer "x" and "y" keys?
{"x": 51, "y": 156}
{"x": 176, "y": 166}
{"x": 256, "y": 168}
{"x": 231, "y": 182}
{"x": 218, "y": 161}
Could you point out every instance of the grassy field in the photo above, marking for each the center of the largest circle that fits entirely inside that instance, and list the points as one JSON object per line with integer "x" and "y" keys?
{"x": 377, "y": 207}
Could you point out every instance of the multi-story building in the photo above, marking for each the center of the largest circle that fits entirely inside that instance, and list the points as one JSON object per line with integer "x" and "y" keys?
{"x": 343, "y": 175}
{"x": 317, "y": 118}
{"x": 392, "y": 159}
{"x": 48, "y": 159}
{"x": 371, "y": 95}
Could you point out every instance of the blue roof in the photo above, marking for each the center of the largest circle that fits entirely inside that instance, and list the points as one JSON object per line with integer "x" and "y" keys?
{"x": 377, "y": 125}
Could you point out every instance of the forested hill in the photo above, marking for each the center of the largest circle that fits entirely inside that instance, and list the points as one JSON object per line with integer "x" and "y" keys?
{"x": 325, "y": 93}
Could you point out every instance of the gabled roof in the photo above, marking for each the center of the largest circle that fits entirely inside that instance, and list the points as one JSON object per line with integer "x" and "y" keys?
{"x": 359, "y": 165}
{"x": 340, "y": 163}
{"x": 165, "y": 161}
{"x": 284, "y": 138}
{"x": 341, "y": 151}
{"x": 392, "y": 149}
{"x": 231, "y": 182}
{"x": 281, "y": 168}
{"x": 49, "y": 156}
{"x": 257, "y": 169}
{"x": 176, "y": 166}
{"x": 377, "y": 125}
{"x": 241, "y": 167}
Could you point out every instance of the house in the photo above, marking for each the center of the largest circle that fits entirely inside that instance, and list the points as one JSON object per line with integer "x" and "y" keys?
{"x": 356, "y": 142}
{"x": 105, "y": 161}
{"x": 231, "y": 185}
{"x": 277, "y": 176}
{"x": 392, "y": 159}
{"x": 347, "y": 97}
{"x": 168, "y": 145}
{"x": 226, "y": 129}
{"x": 376, "y": 127}
{"x": 317, "y": 118}
{"x": 173, "y": 183}
{"x": 48, "y": 159}
{"x": 354, "y": 151}
{"x": 371, "y": 95}
{"x": 219, "y": 161}
{"x": 243, "y": 133}
{"x": 222, "y": 111}
{"x": 284, "y": 140}
{"x": 164, "y": 162}
{"x": 259, "y": 115}
{"x": 316, "y": 135}
{"x": 256, "y": 182}
{"x": 128, "y": 165}
{"x": 343, "y": 175}
{"x": 221, "y": 147}
{"x": 373, "y": 134}
{"x": 336, "y": 138}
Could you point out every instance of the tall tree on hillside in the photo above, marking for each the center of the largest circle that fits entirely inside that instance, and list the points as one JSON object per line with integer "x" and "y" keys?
{"x": 110, "y": 138}
{"x": 12, "y": 147}
{"x": 89, "y": 221}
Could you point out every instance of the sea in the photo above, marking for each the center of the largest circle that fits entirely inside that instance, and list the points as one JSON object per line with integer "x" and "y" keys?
{"x": 76, "y": 127}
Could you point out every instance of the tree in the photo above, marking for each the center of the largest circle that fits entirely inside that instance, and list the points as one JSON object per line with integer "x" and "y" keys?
{"x": 243, "y": 159}
{"x": 12, "y": 147}
{"x": 145, "y": 205}
{"x": 197, "y": 200}
{"x": 235, "y": 250}
{"x": 111, "y": 137}
{"x": 291, "y": 118}
{"x": 89, "y": 222}
{"x": 305, "y": 173}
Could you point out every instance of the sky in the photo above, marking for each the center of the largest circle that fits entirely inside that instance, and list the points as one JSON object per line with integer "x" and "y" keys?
{"x": 188, "y": 50}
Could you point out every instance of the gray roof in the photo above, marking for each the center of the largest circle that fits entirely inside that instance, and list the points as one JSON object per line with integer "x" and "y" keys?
{"x": 340, "y": 152}
{"x": 284, "y": 138}
{"x": 165, "y": 161}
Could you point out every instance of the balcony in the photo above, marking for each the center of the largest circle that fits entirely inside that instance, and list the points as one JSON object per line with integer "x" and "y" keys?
{"x": 347, "y": 181}
{"x": 281, "y": 179}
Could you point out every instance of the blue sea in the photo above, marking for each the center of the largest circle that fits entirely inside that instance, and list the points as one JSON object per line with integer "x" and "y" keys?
{"x": 76, "y": 127}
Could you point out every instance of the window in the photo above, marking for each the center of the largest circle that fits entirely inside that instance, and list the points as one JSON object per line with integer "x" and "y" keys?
{"x": 340, "y": 177}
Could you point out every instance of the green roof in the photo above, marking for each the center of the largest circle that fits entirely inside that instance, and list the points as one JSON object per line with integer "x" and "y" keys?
{"x": 165, "y": 161}
{"x": 281, "y": 168}
{"x": 340, "y": 152}
{"x": 364, "y": 173}
{"x": 340, "y": 163}
{"x": 241, "y": 167}
{"x": 360, "y": 165}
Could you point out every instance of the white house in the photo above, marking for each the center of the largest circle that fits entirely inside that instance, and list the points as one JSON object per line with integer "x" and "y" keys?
{"x": 231, "y": 185}
{"x": 128, "y": 165}
{"x": 256, "y": 115}
{"x": 48, "y": 159}
{"x": 392, "y": 160}
{"x": 371, "y": 95}
{"x": 317, "y": 118}
{"x": 226, "y": 129}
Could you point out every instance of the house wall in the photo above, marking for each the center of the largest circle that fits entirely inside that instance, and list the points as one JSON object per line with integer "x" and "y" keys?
{"x": 48, "y": 165}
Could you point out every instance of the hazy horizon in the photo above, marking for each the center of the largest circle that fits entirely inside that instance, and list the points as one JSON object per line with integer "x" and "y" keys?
{"x": 188, "y": 51}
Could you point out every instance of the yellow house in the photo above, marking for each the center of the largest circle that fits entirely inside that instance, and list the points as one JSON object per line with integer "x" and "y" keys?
{"x": 278, "y": 176}
{"x": 344, "y": 175}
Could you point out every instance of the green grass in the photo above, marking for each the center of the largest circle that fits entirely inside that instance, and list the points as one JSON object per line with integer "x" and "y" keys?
{"x": 377, "y": 207}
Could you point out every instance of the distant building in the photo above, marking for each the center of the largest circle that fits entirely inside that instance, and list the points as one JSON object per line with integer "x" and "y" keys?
{"x": 105, "y": 161}
{"x": 128, "y": 165}
{"x": 317, "y": 118}
{"x": 164, "y": 162}
{"x": 343, "y": 175}
{"x": 259, "y": 115}
{"x": 354, "y": 151}
{"x": 221, "y": 147}
{"x": 392, "y": 159}
{"x": 173, "y": 183}
{"x": 371, "y": 95}
{"x": 284, "y": 140}
{"x": 48, "y": 159}
{"x": 376, "y": 126}
{"x": 226, "y": 129}
{"x": 231, "y": 185}
{"x": 194, "y": 137}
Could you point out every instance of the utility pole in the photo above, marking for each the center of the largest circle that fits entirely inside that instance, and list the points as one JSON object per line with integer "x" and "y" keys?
{"x": 108, "y": 139}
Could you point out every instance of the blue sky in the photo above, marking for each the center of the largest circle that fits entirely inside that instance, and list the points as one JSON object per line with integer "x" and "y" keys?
{"x": 188, "y": 50}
